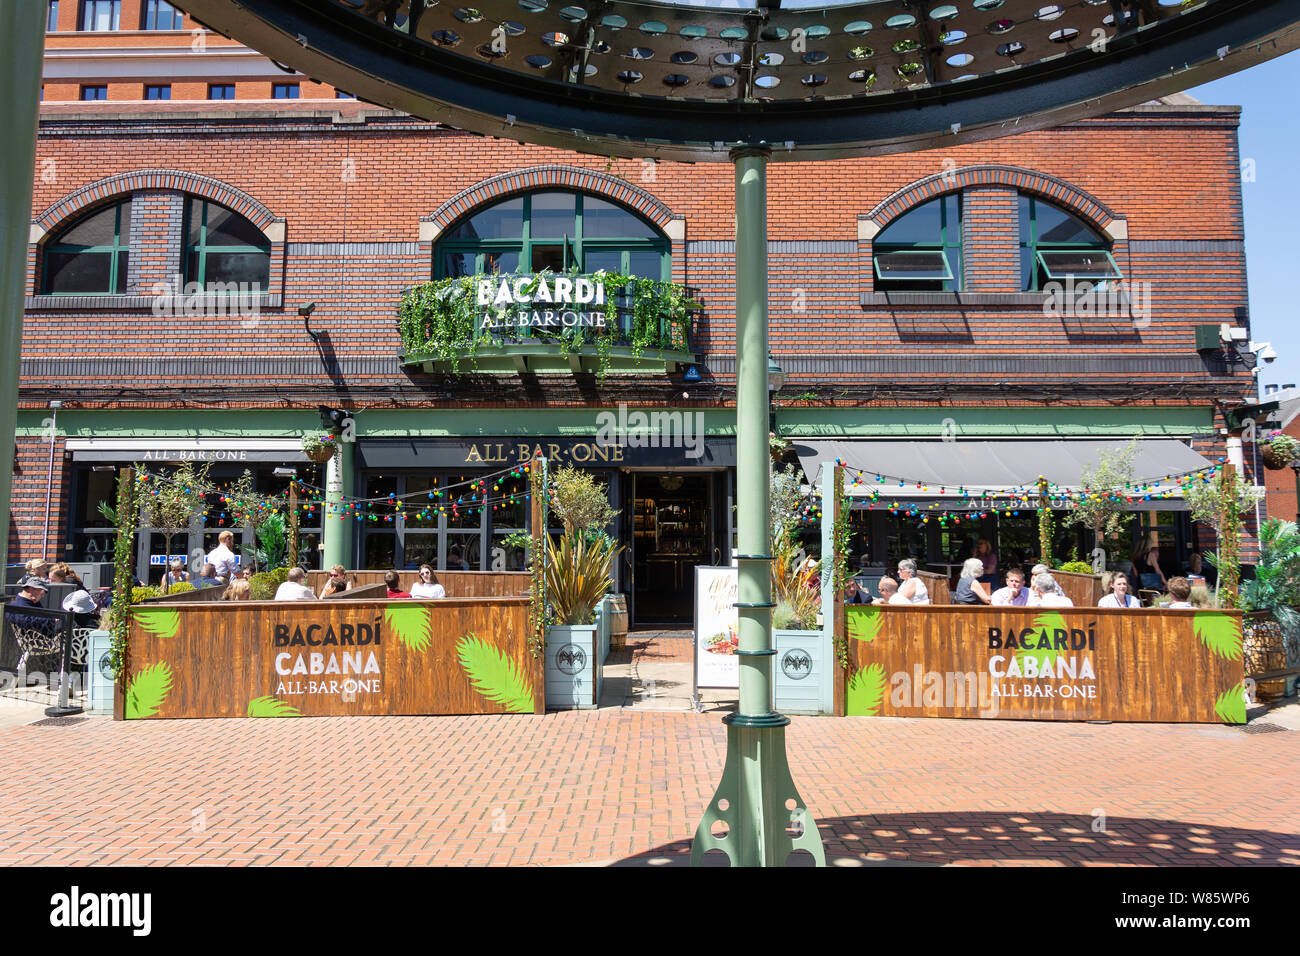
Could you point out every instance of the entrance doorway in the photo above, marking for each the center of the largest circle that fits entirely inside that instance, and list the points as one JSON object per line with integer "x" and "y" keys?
{"x": 672, "y": 532}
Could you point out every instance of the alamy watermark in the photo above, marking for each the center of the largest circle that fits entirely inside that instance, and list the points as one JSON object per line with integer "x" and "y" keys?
{"x": 655, "y": 429}
{"x": 1072, "y": 299}
{"x": 181, "y": 299}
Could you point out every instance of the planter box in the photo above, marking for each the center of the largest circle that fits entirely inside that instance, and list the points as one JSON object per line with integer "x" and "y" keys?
{"x": 99, "y": 676}
{"x": 575, "y": 658}
{"x": 803, "y": 672}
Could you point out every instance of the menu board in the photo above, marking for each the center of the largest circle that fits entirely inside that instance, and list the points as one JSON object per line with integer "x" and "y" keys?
{"x": 716, "y": 624}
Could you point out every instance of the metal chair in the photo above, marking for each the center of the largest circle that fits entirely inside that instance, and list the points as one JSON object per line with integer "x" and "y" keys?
{"x": 34, "y": 642}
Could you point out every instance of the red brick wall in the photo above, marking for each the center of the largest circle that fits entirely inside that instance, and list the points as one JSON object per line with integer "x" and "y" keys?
{"x": 27, "y": 514}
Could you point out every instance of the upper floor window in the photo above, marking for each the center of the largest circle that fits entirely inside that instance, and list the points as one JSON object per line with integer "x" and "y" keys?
{"x": 94, "y": 92}
{"x": 161, "y": 15}
{"x": 920, "y": 251}
{"x": 52, "y": 17}
{"x": 159, "y": 92}
{"x": 221, "y": 91}
{"x": 223, "y": 246}
{"x": 90, "y": 257}
{"x": 284, "y": 91}
{"x": 100, "y": 14}
{"x": 1056, "y": 246}
{"x": 556, "y": 230}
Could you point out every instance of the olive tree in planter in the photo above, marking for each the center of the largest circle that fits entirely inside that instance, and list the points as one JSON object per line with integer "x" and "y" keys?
{"x": 171, "y": 501}
{"x": 1103, "y": 505}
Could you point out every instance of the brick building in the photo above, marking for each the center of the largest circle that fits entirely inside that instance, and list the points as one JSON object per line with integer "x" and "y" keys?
{"x": 911, "y": 309}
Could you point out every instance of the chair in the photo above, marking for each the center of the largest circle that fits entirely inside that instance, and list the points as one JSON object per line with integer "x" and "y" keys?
{"x": 34, "y": 642}
{"x": 1148, "y": 597}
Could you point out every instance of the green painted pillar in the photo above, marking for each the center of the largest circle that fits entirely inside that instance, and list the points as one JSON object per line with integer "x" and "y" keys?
{"x": 337, "y": 531}
{"x": 756, "y": 817}
{"x": 22, "y": 24}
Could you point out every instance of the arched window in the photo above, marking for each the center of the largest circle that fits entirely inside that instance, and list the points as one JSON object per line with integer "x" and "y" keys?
{"x": 223, "y": 246}
{"x": 920, "y": 251}
{"x": 1056, "y": 246}
{"x": 555, "y": 230}
{"x": 90, "y": 257}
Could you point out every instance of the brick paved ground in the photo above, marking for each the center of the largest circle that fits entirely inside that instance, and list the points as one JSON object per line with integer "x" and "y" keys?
{"x": 629, "y": 785}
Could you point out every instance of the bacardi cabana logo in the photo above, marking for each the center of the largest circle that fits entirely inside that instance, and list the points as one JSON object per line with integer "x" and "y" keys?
{"x": 532, "y": 301}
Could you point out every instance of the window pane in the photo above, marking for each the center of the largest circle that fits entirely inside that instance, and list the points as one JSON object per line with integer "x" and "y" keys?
{"x": 912, "y": 265}
{"x": 421, "y": 548}
{"x": 457, "y": 264}
{"x": 122, "y": 263}
{"x": 97, "y": 229}
{"x": 52, "y": 17}
{"x": 501, "y": 261}
{"x": 554, "y": 215}
{"x": 648, "y": 265}
{"x": 94, "y": 92}
{"x": 221, "y": 91}
{"x": 157, "y": 92}
{"x": 604, "y": 220}
{"x": 921, "y": 225}
{"x": 253, "y": 268}
{"x": 195, "y": 229}
{"x": 610, "y": 260}
{"x": 72, "y": 272}
{"x": 548, "y": 256}
{"x": 94, "y": 487}
{"x": 1056, "y": 226}
{"x": 284, "y": 91}
{"x": 1083, "y": 263}
{"x": 380, "y": 550}
{"x": 422, "y": 511}
{"x": 463, "y": 550}
{"x": 505, "y": 220}
{"x": 229, "y": 228}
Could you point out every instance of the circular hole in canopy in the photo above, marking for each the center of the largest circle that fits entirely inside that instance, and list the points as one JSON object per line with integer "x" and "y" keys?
{"x": 640, "y": 53}
{"x": 1001, "y": 26}
{"x": 573, "y": 14}
{"x": 653, "y": 28}
{"x": 630, "y": 76}
{"x": 727, "y": 59}
{"x": 771, "y": 59}
{"x": 814, "y": 80}
{"x": 467, "y": 15}
{"x": 684, "y": 56}
{"x": 676, "y": 79}
{"x": 944, "y": 11}
{"x": 773, "y": 34}
{"x": 863, "y": 76}
{"x": 960, "y": 59}
{"x": 600, "y": 46}
{"x": 901, "y": 22}
{"x": 816, "y": 56}
{"x": 589, "y": 70}
{"x": 537, "y": 61}
{"x": 532, "y": 6}
{"x": 513, "y": 28}
{"x": 692, "y": 32}
{"x": 767, "y": 81}
{"x": 988, "y": 4}
{"x": 722, "y": 82}
{"x": 818, "y": 30}
{"x": 613, "y": 22}
{"x": 1014, "y": 48}
{"x": 905, "y": 46}
{"x": 860, "y": 52}
{"x": 1064, "y": 35}
{"x": 858, "y": 28}
{"x": 487, "y": 52}
{"x": 734, "y": 33}
{"x": 1050, "y": 12}
{"x": 445, "y": 37}
{"x": 909, "y": 70}
{"x": 952, "y": 37}
{"x": 555, "y": 38}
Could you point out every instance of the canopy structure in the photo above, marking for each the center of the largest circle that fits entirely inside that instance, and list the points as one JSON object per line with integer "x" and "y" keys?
{"x": 688, "y": 81}
{"x": 987, "y": 469}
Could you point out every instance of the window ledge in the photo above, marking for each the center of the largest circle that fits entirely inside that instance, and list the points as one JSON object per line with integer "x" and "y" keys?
{"x": 926, "y": 300}
{"x": 182, "y": 305}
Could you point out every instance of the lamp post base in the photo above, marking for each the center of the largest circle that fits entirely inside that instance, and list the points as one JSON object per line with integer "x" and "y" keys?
{"x": 758, "y": 792}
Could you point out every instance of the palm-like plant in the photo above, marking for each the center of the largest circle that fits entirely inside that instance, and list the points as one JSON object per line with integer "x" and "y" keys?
{"x": 578, "y": 574}
{"x": 796, "y": 582}
{"x": 1276, "y": 587}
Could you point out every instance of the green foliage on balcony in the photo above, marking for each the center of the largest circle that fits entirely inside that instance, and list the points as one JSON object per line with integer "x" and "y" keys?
{"x": 440, "y": 321}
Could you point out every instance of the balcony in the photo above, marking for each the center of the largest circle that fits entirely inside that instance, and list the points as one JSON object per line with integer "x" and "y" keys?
{"x": 547, "y": 323}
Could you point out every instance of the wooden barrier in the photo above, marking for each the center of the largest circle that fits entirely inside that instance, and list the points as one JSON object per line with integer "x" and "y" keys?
{"x": 326, "y": 658}
{"x": 455, "y": 583}
{"x": 367, "y": 592}
{"x": 937, "y": 586}
{"x": 1045, "y": 663}
{"x": 197, "y": 596}
{"x": 1083, "y": 589}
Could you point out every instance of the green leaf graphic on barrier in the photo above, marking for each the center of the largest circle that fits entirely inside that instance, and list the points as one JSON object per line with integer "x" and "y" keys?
{"x": 863, "y": 623}
{"x": 1219, "y": 632}
{"x": 147, "y": 691}
{"x": 271, "y": 706}
{"x": 411, "y": 623}
{"x": 494, "y": 675}
{"x": 1231, "y": 705}
{"x": 159, "y": 621}
{"x": 866, "y": 692}
{"x": 1044, "y": 622}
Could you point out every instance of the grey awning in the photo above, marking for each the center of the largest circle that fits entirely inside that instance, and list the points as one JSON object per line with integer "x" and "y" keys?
{"x": 992, "y": 466}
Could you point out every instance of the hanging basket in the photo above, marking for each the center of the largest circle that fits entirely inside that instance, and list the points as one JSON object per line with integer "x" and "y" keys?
{"x": 1272, "y": 458}
{"x": 319, "y": 450}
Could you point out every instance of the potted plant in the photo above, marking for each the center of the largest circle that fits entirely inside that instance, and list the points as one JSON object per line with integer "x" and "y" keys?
{"x": 1271, "y": 627}
{"x": 1277, "y": 450}
{"x": 319, "y": 447}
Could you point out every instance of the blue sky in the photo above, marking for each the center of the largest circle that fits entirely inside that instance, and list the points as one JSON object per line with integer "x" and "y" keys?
{"x": 1270, "y": 135}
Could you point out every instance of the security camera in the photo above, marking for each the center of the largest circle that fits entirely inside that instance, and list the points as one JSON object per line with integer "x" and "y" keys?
{"x": 1264, "y": 351}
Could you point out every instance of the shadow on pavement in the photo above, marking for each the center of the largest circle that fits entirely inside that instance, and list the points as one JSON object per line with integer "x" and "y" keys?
{"x": 1012, "y": 839}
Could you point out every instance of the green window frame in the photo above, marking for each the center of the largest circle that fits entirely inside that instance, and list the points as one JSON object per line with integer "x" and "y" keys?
{"x": 1081, "y": 254}
{"x": 198, "y": 248}
{"x": 117, "y": 253}
{"x": 535, "y": 244}
{"x": 921, "y": 250}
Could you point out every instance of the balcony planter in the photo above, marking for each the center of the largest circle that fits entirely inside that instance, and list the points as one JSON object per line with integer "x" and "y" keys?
{"x": 575, "y": 662}
{"x": 803, "y": 672}
{"x": 99, "y": 673}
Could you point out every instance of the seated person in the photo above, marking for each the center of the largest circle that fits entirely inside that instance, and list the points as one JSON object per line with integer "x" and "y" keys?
{"x": 1118, "y": 594}
{"x": 176, "y": 574}
{"x": 80, "y": 602}
{"x": 293, "y": 589}
{"x": 912, "y": 589}
{"x": 1047, "y": 592}
{"x": 208, "y": 578}
{"x": 1180, "y": 589}
{"x": 38, "y": 568}
{"x": 31, "y": 594}
{"x": 238, "y": 590}
{"x": 989, "y": 560}
{"x": 1015, "y": 594}
{"x": 1033, "y": 596}
{"x": 336, "y": 582}
{"x": 426, "y": 587}
{"x": 394, "y": 582}
{"x": 855, "y": 593}
{"x": 889, "y": 593}
{"x": 970, "y": 587}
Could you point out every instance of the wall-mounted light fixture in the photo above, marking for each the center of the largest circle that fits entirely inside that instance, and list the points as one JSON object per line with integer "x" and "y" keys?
{"x": 305, "y": 311}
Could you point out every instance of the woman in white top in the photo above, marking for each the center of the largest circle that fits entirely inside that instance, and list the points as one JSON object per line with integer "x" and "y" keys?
{"x": 426, "y": 587}
{"x": 1119, "y": 596}
{"x": 912, "y": 589}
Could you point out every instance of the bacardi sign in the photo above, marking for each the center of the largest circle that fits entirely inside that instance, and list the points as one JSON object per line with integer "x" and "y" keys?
{"x": 532, "y": 301}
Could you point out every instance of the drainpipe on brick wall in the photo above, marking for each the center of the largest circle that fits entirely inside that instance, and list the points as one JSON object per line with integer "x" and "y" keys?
{"x": 49, "y": 476}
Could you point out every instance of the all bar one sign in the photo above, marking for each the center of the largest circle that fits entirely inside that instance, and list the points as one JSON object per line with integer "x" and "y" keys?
{"x": 532, "y": 301}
